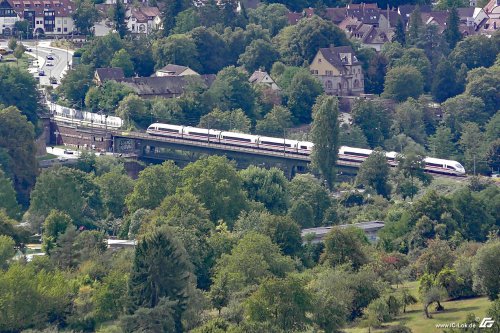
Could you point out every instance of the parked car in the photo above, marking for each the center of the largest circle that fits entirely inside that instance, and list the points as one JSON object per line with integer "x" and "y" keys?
{"x": 49, "y": 64}
{"x": 41, "y": 72}
{"x": 50, "y": 56}
{"x": 52, "y": 80}
{"x": 62, "y": 159}
{"x": 69, "y": 152}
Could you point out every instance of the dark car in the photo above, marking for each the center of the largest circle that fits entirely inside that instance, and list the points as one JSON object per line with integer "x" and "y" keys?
{"x": 41, "y": 72}
{"x": 50, "y": 57}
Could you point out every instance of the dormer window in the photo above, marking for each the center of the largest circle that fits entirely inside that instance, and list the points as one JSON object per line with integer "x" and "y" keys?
{"x": 319, "y": 60}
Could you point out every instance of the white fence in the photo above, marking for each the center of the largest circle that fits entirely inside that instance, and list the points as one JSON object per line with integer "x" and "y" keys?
{"x": 83, "y": 118}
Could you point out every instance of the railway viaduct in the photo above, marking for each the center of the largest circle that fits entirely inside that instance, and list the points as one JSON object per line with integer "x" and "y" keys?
{"x": 153, "y": 148}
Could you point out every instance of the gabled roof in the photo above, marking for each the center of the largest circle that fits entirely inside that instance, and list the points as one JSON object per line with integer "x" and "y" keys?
{"x": 62, "y": 8}
{"x": 259, "y": 76}
{"x": 332, "y": 55}
{"x": 143, "y": 14}
{"x": 336, "y": 15}
{"x": 173, "y": 69}
{"x": 294, "y": 18}
{"x": 106, "y": 74}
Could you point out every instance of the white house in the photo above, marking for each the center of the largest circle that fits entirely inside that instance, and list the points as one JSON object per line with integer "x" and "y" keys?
{"x": 262, "y": 77}
{"x": 143, "y": 20}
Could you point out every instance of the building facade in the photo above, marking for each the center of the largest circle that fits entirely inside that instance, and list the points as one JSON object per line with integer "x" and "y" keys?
{"x": 339, "y": 71}
{"x": 44, "y": 17}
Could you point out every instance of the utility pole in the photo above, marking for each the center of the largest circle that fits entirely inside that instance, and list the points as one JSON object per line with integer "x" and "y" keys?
{"x": 474, "y": 158}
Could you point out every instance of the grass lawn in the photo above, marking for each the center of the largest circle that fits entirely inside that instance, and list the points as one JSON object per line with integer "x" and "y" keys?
{"x": 414, "y": 318}
{"x": 10, "y": 60}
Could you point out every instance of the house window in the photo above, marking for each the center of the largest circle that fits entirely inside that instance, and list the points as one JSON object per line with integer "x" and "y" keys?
{"x": 58, "y": 29}
{"x": 356, "y": 83}
{"x": 329, "y": 73}
{"x": 319, "y": 60}
{"x": 328, "y": 85}
{"x": 65, "y": 29}
{"x": 314, "y": 72}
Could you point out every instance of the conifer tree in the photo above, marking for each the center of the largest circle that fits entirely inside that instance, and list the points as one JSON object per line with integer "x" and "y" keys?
{"x": 399, "y": 34}
{"x": 325, "y": 135}
{"x": 452, "y": 33}
{"x": 161, "y": 268}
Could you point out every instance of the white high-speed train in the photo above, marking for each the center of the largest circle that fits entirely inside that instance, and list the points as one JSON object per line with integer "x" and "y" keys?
{"x": 435, "y": 165}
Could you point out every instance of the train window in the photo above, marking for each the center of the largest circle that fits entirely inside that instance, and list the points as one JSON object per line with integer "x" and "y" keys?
{"x": 271, "y": 143}
{"x": 237, "y": 139}
{"x": 212, "y": 135}
{"x": 167, "y": 130}
{"x": 356, "y": 154}
{"x": 303, "y": 147}
{"x": 435, "y": 165}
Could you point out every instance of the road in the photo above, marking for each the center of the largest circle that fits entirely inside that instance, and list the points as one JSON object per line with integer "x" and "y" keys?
{"x": 55, "y": 68}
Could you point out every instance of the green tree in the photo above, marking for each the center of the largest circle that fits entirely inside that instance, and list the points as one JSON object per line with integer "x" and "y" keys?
{"x": 352, "y": 136}
{"x": 285, "y": 233}
{"x": 8, "y": 200}
{"x": 169, "y": 11}
{"x": 179, "y": 49}
{"x": 153, "y": 185}
{"x": 186, "y": 21}
{"x": 260, "y": 54}
{"x": 415, "y": 27}
{"x": 218, "y": 185}
{"x": 308, "y": 189}
{"x": 211, "y": 49}
{"x": 231, "y": 90}
{"x": 345, "y": 246}
{"x": 17, "y": 137}
{"x": 114, "y": 188}
{"x": 302, "y": 94}
{"x": 122, "y": 59}
{"x": 234, "y": 120}
{"x": 161, "y": 269}
{"x": 476, "y": 51}
{"x": 134, "y": 111}
{"x": 486, "y": 269}
{"x": 7, "y": 250}
{"x": 400, "y": 35}
{"x": 99, "y": 51}
{"x": 409, "y": 120}
{"x": 444, "y": 84}
{"x": 373, "y": 119}
{"x": 282, "y": 302}
{"x": 67, "y": 190}
{"x": 275, "y": 122}
{"x": 484, "y": 84}
{"x": 493, "y": 127}
{"x": 451, "y": 32}
{"x": 19, "y": 52}
{"x": 85, "y": 15}
{"x": 374, "y": 172}
{"x": 156, "y": 319}
{"x": 411, "y": 166}
{"x": 324, "y": 134}
{"x": 267, "y": 186}
{"x": 18, "y": 88}
{"x": 302, "y": 41}
{"x": 251, "y": 261}
{"x": 441, "y": 143}
{"x": 48, "y": 294}
{"x": 119, "y": 19}
{"x": 55, "y": 224}
{"x": 403, "y": 82}
{"x": 106, "y": 97}
{"x": 461, "y": 109}
{"x": 475, "y": 149}
{"x": 417, "y": 58}
{"x": 12, "y": 43}
{"x": 76, "y": 83}
{"x": 272, "y": 17}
